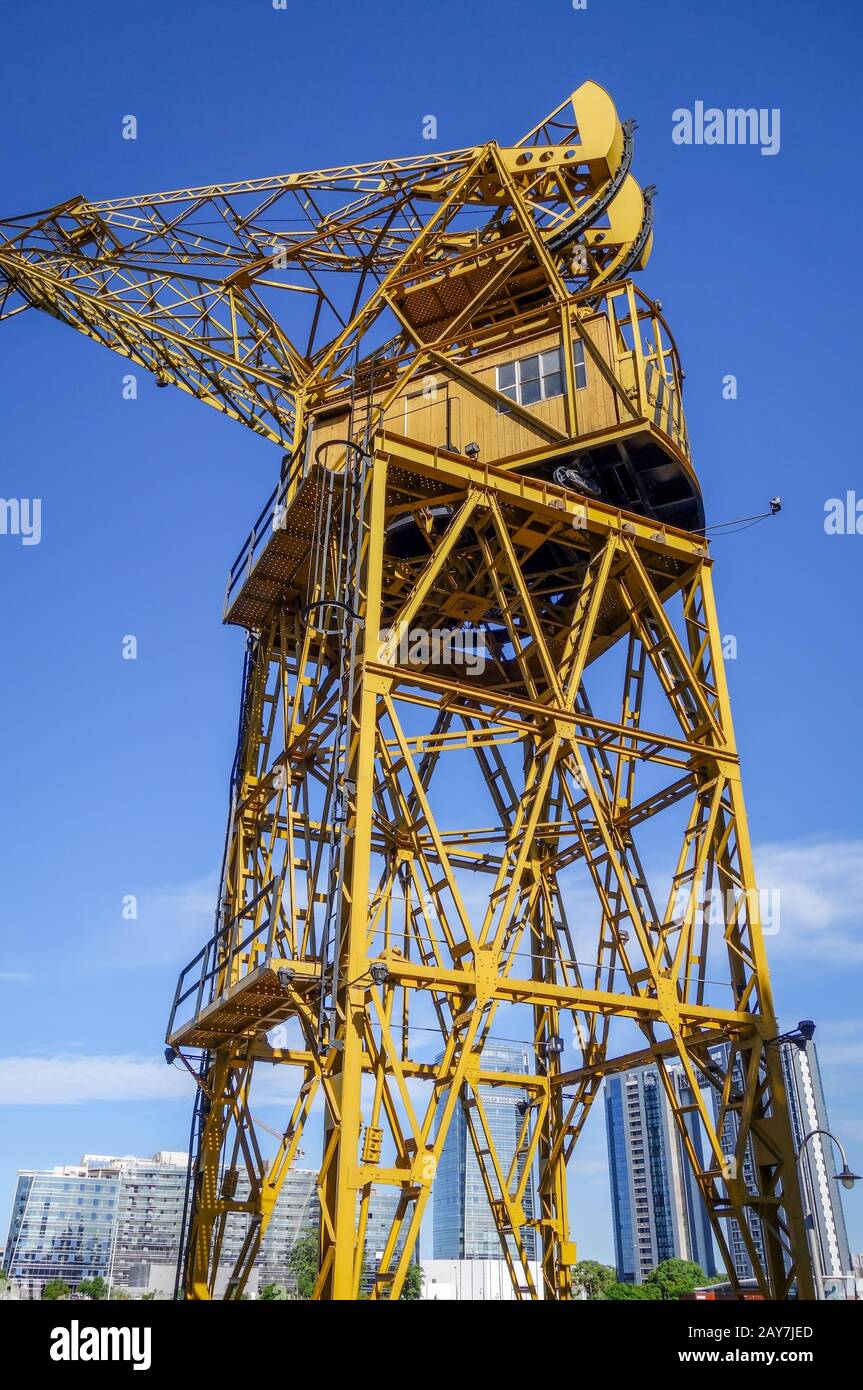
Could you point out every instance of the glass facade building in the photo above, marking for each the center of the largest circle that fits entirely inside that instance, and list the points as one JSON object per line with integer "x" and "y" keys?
{"x": 657, "y": 1208}
{"x": 297, "y": 1213}
{"x": 150, "y": 1196}
{"x": 62, "y": 1227}
{"x": 121, "y": 1218}
{"x": 463, "y": 1224}
{"x": 382, "y": 1211}
{"x": 699, "y": 1234}
{"x": 622, "y": 1198}
{"x": 737, "y": 1244}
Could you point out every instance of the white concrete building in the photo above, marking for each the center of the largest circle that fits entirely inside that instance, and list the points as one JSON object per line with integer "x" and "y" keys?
{"x": 486, "y": 1281}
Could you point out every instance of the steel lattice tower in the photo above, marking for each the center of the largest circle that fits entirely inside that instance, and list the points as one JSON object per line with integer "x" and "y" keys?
{"x": 485, "y": 455}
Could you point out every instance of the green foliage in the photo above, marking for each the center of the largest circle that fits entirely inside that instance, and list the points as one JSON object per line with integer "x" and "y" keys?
{"x": 148, "y": 1297}
{"x": 304, "y": 1264}
{"x": 93, "y": 1288}
{"x": 674, "y": 1277}
{"x": 594, "y": 1277}
{"x": 56, "y": 1288}
{"x": 632, "y": 1293}
{"x": 668, "y": 1281}
{"x": 412, "y": 1289}
{"x": 120, "y": 1296}
{"x": 273, "y": 1291}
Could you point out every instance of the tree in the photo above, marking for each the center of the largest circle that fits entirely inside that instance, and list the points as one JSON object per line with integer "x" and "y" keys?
{"x": 632, "y": 1293}
{"x": 674, "y": 1277}
{"x": 56, "y": 1288}
{"x": 304, "y": 1264}
{"x": 594, "y": 1277}
{"x": 273, "y": 1291}
{"x": 412, "y": 1289}
{"x": 120, "y": 1296}
{"x": 93, "y": 1288}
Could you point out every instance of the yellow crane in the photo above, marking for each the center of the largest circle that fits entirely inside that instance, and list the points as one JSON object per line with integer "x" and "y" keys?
{"x": 486, "y": 509}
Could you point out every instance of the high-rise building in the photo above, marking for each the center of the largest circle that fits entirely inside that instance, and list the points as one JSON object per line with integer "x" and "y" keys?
{"x": 62, "y": 1227}
{"x": 297, "y": 1214}
{"x": 652, "y": 1183}
{"x": 382, "y": 1209}
{"x": 734, "y": 1236}
{"x": 825, "y": 1220}
{"x": 658, "y": 1210}
{"x": 120, "y": 1218}
{"x": 697, "y": 1222}
{"x": 150, "y": 1196}
{"x": 464, "y": 1227}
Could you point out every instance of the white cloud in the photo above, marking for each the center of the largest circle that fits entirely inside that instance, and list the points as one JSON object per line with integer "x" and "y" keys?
{"x": 70, "y": 1079}
{"x": 73, "y": 1080}
{"x": 820, "y": 886}
{"x": 811, "y": 889}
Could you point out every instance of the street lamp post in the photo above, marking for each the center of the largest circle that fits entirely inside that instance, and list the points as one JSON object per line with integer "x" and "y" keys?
{"x": 847, "y": 1179}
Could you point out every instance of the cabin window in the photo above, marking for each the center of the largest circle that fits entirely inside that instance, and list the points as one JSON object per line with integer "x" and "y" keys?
{"x": 540, "y": 377}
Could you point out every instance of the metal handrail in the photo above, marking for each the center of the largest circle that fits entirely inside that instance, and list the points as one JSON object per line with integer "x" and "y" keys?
{"x": 666, "y": 411}
{"x": 243, "y": 565}
{"x": 215, "y": 961}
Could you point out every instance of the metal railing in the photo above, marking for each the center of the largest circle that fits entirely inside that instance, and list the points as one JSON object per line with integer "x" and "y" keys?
{"x": 272, "y": 515}
{"x": 255, "y": 542}
{"x": 649, "y": 367}
{"x": 226, "y": 959}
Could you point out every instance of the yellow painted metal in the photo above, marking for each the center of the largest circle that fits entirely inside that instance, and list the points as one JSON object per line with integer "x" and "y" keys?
{"x": 383, "y": 938}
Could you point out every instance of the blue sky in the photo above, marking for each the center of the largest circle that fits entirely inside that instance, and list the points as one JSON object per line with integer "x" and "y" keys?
{"x": 115, "y": 772}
